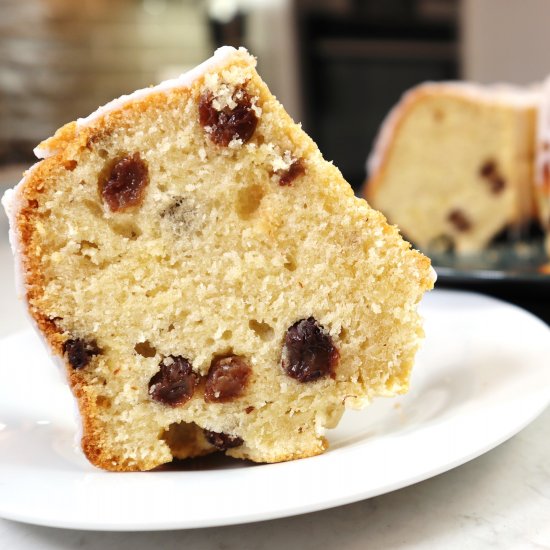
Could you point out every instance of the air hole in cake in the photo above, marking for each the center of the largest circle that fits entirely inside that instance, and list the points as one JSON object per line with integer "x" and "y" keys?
{"x": 222, "y": 441}
{"x": 103, "y": 402}
{"x": 249, "y": 200}
{"x": 54, "y": 321}
{"x": 174, "y": 383}
{"x": 290, "y": 263}
{"x": 182, "y": 438}
{"x": 227, "y": 379}
{"x": 224, "y": 123}
{"x": 93, "y": 207}
{"x": 309, "y": 352}
{"x": 145, "y": 349}
{"x": 88, "y": 244}
{"x": 327, "y": 206}
{"x": 343, "y": 334}
{"x": 88, "y": 250}
{"x": 263, "y": 330}
{"x": 128, "y": 230}
{"x": 70, "y": 165}
{"x": 227, "y": 334}
{"x": 152, "y": 292}
{"x": 122, "y": 182}
{"x": 103, "y": 153}
{"x": 79, "y": 352}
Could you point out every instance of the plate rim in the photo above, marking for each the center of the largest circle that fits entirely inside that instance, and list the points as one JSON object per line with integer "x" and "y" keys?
{"x": 330, "y": 501}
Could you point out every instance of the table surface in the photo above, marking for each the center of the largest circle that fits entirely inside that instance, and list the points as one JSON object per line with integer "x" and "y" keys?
{"x": 501, "y": 499}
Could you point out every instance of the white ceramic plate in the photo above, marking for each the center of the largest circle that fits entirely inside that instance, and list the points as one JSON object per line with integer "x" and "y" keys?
{"x": 481, "y": 376}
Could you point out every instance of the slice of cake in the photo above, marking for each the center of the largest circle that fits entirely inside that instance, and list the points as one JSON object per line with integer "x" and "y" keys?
{"x": 453, "y": 164}
{"x": 210, "y": 282}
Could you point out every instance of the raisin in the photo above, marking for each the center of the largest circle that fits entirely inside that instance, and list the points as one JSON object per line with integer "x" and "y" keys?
{"x": 295, "y": 170}
{"x": 222, "y": 441}
{"x": 227, "y": 379}
{"x": 459, "y": 220}
{"x": 228, "y": 124}
{"x": 488, "y": 169}
{"x": 175, "y": 382}
{"x": 79, "y": 352}
{"x": 122, "y": 185}
{"x": 497, "y": 184}
{"x": 309, "y": 352}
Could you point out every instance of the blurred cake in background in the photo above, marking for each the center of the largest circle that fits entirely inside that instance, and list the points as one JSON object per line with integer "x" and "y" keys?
{"x": 542, "y": 163}
{"x": 453, "y": 164}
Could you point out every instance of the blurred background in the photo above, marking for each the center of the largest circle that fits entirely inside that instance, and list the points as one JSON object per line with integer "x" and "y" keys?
{"x": 338, "y": 66}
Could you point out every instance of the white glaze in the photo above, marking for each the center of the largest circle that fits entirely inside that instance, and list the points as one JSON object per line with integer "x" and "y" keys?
{"x": 500, "y": 94}
{"x": 220, "y": 57}
{"x": 12, "y": 203}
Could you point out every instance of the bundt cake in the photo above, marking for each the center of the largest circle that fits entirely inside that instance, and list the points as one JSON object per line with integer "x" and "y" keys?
{"x": 209, "y": 281}
{"x": 453, "y": 164}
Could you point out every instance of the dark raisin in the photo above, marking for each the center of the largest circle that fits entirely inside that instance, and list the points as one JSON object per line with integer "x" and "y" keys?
{"x": 459, "y": 220}
{"x": 227, "y": 379}
{"x": 228, "y": 124}
{"x": 497, "y": 184}
{"x": 295, "y": 170}
{"x": 309, "y": 352}
{"x": 488, "y": 169}
{"x": 79, "y": 352}
{"x": 122, "y": 184}
{"x": 222, "y": 441}
{"x": 175, "y": 382}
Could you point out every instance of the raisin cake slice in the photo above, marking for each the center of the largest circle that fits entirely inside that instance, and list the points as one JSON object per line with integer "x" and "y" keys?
{"x": 209, "y": 281}
{"x": 453, "y": 164}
